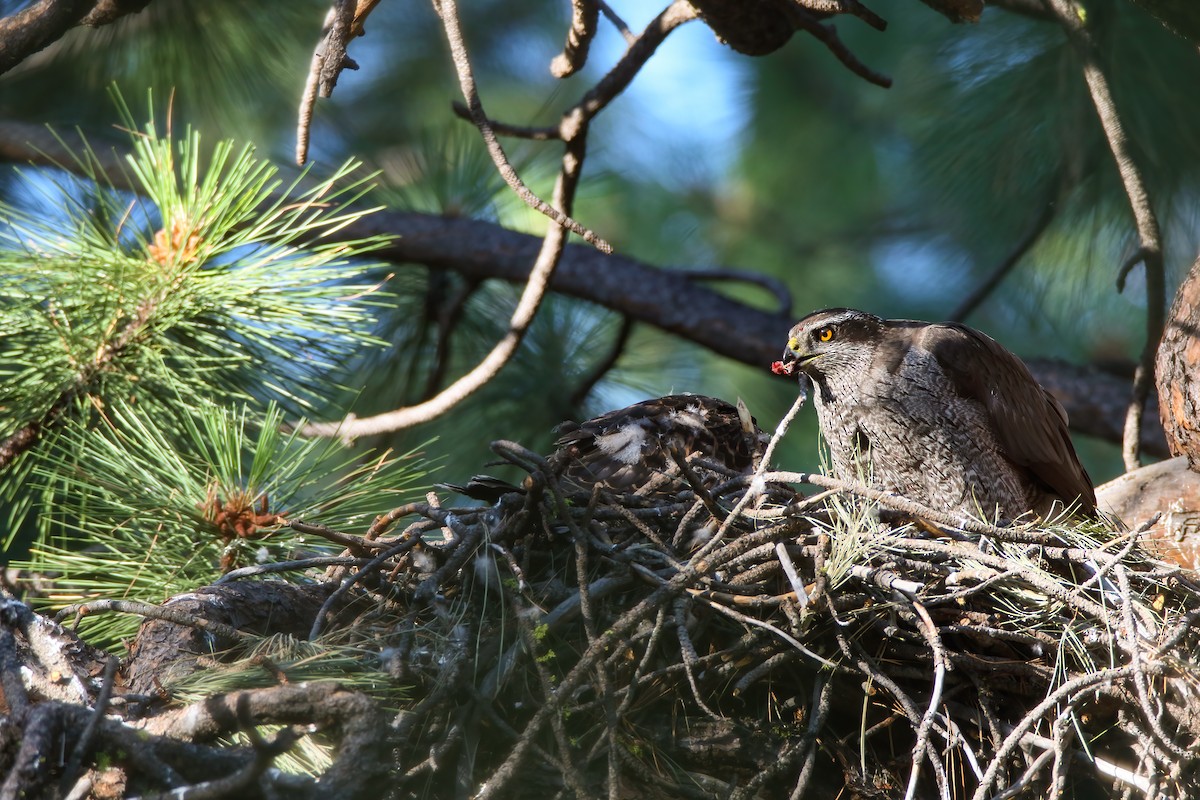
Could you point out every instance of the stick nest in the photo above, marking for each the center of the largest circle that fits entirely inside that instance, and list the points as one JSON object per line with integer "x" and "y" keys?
{"x": 724, "y": 636}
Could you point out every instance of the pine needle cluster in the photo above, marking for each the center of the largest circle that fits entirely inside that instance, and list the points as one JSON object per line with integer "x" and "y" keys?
{"x": 158, "y": 321}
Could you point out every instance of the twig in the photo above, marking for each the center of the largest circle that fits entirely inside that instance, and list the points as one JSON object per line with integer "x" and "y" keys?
{"x": 818, "y": 713}
{"x": 371, "y": 566}
{"x": 1068, "y": 691}
{"x": 615, "y": 633}
{"x": 656, "y": 633}
{"x": 1133, "y": 646}
{"x": 568, "y": 769}
{"x": 1001, "y": 270}
{"x": 763, "y": 668}
{"x": 758, "y": 623}
{"x": 148, "y": 611}
{"x": 789, "y": 569}
{"x": 1149, "y": 233}
{"x": 534, "y": 133}
{"x": 1102, "y": 765}
{"x": 1019, "y": 786}
{"x": 448, "y": 11}
{"x": 940, "y": 664}
{"x": 585, "y": 14}
{"x": 624, "y": 71}
{"x": 343, "y": 22}
{"x": 288, "y": 566}
{"x": 757, "y": 483}
{"x": 347, "y": 540}
{"x": 687, "y": 652}
{"x": 602, "y": 367}
{"x": 827, "y": 35}
{"x": 802, "y": 748}
{"x": 868, "y": 667}
{"x": 618, "y": 23}
{"x": 778, "y": 289}
{"x": 697, "y": 487}
{"x": 89, "y": 732}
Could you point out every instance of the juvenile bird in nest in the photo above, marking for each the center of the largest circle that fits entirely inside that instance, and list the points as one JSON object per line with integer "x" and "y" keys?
{"x": 631, "y": 448}
{"x": 937, "y": 413}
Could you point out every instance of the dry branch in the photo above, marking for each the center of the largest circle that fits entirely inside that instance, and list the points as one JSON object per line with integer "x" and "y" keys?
{"x": 1150, "y": 246}
{"x": 1096, "y": 400}
{"x": 557, "y": 642}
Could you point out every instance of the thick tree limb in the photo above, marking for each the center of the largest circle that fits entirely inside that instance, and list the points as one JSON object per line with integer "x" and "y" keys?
{"x": 26, "y": 32}
{"x": 669, "y": 300}
{"x": 31, "y": 29}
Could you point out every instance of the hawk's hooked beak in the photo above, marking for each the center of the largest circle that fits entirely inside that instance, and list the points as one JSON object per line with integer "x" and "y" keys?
{"x": 794, "y": 359}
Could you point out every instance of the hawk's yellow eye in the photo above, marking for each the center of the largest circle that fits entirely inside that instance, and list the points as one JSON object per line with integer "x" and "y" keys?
{"x": 825, "y": 334}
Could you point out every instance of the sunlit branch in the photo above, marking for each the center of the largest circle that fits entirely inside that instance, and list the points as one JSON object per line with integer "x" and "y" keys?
{"x": 585, "y": 14}
{"x": 1149, "y": 234}
{"x": 466, "y": 77}
{"x": 343, "y": 22}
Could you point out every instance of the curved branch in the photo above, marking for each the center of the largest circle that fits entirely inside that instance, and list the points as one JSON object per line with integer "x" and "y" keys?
{"x": 573, "y": 130}
{"x": 31, "y": 29}
{"x": 536, "y": 286}
{"x": 462, "y": 65}
{"x": 1149, "y": 234}
{"x": 34, "y": 28}
{"x": 639, "y": 52}
{"x": 585, "y": 14}
{"x": 664, "y": 298}
{"x": 1001, "y": 270}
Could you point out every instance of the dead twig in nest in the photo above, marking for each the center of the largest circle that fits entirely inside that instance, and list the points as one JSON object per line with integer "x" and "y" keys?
{"x": 975, "y": 659}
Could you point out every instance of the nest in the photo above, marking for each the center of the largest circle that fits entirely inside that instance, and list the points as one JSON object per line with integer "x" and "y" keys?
{"x": 723, "y": 635}
{"x": 704, "y": 638}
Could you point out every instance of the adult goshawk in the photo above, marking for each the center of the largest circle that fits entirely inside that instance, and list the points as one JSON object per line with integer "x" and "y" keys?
{"x": 938, "y": 413}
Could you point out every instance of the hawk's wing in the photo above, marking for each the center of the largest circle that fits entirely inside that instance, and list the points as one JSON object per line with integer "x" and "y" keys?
{"x": 1030, "y": 425}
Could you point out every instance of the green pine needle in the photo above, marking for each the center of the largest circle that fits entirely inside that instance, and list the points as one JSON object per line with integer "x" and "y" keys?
{"x": 161, "y": 514}
{"x": 214, "y": 284}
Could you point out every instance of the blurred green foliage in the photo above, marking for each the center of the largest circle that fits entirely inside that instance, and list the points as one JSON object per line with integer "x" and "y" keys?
{"x": 898, "y": 201}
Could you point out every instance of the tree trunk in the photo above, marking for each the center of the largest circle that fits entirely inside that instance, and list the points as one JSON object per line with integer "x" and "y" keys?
{"x": 1176, "y": 368}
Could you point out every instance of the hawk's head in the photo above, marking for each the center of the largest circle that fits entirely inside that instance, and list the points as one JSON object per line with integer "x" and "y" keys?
{"x": 831, "y": 340}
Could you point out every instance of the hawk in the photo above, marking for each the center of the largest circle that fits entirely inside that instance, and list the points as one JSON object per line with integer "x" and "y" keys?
{"x": 625, "y": 449}
{"x": 629, "y": 449}
{"x": 938, "y": 413}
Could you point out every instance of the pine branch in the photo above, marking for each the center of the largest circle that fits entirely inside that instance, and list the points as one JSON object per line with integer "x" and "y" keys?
{"x": 666, "y": 299}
